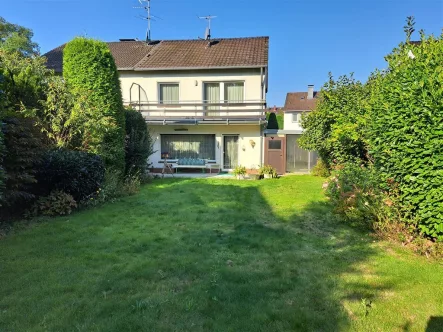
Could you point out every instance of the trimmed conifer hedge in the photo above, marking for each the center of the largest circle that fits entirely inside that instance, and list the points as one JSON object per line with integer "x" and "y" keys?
{"x": 91, "y": 74}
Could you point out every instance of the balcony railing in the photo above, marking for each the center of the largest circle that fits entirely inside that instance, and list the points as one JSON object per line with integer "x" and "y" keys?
{"x": 202, "y": 111}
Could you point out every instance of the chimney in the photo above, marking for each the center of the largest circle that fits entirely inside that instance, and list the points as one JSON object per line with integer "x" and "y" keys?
{"x": 310, "y": 91}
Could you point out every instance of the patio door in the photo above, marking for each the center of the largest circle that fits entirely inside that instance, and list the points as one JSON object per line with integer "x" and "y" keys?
{"x": 230, "y": 151}
{"x": 212, "y": 95}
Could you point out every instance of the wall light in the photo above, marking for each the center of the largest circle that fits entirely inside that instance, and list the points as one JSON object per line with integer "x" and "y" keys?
{"x": 252, "y": 142}
{"x": 196, "y": 83}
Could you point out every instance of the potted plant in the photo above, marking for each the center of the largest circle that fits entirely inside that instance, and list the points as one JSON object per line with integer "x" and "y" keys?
{"x": 239, "y": 172}
{"x": 268, "y": 171}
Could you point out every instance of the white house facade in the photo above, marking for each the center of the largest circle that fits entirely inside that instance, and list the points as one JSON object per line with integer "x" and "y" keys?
{"x": 202, "y": 99}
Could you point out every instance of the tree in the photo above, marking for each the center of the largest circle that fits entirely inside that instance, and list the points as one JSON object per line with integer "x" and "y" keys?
{"x": 2, "y": 145}
{"x": 336, "y": 128}
{"x": 15, "y": 38}
{"x": 91, "y": 75}
{"x": 22, "y": 86}
{"x": 139, "y": 144}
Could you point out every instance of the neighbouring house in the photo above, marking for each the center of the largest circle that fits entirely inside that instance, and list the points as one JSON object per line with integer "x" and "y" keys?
{"x": 202, "y": 99}
{"x": 282, "y": 149}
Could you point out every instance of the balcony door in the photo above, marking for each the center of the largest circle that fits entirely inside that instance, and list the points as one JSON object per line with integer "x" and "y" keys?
{"x": 212, "y": 96}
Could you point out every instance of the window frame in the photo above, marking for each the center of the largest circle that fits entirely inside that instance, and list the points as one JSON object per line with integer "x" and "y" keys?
{"x": 213, "y": 136}
{"x": 299, "y": 115}
{"x": 159, "y": 84}
{"x": 225, "y": 100}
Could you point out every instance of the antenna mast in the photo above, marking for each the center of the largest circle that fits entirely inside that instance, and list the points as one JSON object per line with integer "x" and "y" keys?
{"x": 146, "y": 5}
{"x": 208, "y": 29}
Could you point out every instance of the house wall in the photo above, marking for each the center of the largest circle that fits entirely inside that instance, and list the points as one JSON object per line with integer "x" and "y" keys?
{"x": 190, "y": 87}
{"x": 248, "y": 156}
{"x": 288, "y": 124}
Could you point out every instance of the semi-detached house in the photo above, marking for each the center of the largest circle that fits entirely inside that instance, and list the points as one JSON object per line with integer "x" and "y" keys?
{"x": 202, "y": 99}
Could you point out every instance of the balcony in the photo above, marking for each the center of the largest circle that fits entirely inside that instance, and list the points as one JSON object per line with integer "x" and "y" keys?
{"x": 202, "y": 112}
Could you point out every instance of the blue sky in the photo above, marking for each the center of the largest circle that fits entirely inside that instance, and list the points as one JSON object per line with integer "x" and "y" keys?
{"x": 308, "y": 39}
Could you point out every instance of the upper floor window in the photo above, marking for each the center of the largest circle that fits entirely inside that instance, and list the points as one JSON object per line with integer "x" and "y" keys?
{"x": 234, "y": 92}
{"x": 296, "y": 117}
{"x": 169, "y": 93}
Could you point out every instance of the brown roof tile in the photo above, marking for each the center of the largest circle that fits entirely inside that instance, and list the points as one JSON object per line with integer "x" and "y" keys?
{"x": 298, "y": 101}
{"x": 181, "y": 54}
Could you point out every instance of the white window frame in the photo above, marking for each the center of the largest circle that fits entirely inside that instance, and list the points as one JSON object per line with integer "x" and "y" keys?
{"x": 236, "y": 81}
{"x": 299, "y": 115}
{"x": 222, "y": 89}
{"x": 159, "y": 91}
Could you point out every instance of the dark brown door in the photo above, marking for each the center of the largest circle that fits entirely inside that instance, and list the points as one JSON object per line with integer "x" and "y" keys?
{"x": 275, "y": 153}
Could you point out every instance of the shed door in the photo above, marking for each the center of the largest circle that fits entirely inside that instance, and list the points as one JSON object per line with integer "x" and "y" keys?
{"x": 275, "y": 153}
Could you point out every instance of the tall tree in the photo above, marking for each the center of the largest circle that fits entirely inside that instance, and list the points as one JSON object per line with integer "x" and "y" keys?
{"x": 336, "y": 128}
{"x": 16, "y": 38}
{"x": 23, "y": 77}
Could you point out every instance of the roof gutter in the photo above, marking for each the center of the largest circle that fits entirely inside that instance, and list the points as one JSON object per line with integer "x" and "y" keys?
{"x": 192, "y": 68}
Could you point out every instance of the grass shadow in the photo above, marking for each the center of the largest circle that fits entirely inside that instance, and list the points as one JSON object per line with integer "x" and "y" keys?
{"x": 200, "y": 255}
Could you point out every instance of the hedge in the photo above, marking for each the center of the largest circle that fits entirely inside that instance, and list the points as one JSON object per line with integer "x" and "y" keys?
{"x": 406, "y": 131}
{"x": 91, "y": 74}
{"x": 77, "y": 173}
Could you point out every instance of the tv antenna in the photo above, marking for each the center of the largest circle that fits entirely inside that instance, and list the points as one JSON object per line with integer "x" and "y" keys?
{"x": 208, "y": 29}
{"x": 146, "y": 5}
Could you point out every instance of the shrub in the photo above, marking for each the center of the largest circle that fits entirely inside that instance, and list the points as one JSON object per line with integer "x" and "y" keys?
{"x": 335, "y": 128}
{"x": 75, "y": 172}
{"x": 275, "y": 120}
{"x": 131, "y": 184}
{"x": 55, "y": 117}
{"x": 138, "y": 145}
{"x": 406, "y": 131}
{"x": 113, "y": 188}
{"x": 23, "y": 149}
{"x": 91, "y": 74}
{"x": 57, "y": 203}
{"x": 268, "y": 170}
{"x": 320, "y": 169}
{"x": 2, "y": 153}
{"x": 239, "y": 171}
{"x": 355, "y": 192}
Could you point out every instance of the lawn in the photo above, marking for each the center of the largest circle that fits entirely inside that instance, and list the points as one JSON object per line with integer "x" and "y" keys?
{"x": 213, "y": 255}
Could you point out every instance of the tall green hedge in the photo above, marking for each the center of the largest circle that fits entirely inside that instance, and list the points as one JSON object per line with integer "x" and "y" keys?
{"x": 406, "y": 130}
{"x": 91, "y": 74}
{"x": 138, "y": 145}
{"x": 2, "y": 152}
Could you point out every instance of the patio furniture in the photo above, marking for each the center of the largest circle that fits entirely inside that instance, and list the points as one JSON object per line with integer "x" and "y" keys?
{"x": 190, "y": 163}
{"x": 213, "y": 166}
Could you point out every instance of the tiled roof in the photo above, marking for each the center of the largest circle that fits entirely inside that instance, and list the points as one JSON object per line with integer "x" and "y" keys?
{"x": 181, "y": 54}
{"x": 298, "y": 101}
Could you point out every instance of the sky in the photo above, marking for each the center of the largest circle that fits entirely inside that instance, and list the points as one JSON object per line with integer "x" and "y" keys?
{"x": 308, "y": 39}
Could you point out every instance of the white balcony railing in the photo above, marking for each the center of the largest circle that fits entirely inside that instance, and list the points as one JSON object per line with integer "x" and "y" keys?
{"x": 155, "y": 111}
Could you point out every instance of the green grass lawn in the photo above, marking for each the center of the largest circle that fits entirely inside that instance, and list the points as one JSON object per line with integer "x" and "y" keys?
{"x": 213, "y": 255}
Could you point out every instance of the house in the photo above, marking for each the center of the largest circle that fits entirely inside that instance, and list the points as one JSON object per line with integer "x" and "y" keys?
{"x": 281, "y": 146}
{"x": 298, "y": 103}
{"x": 202, "y": 99}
